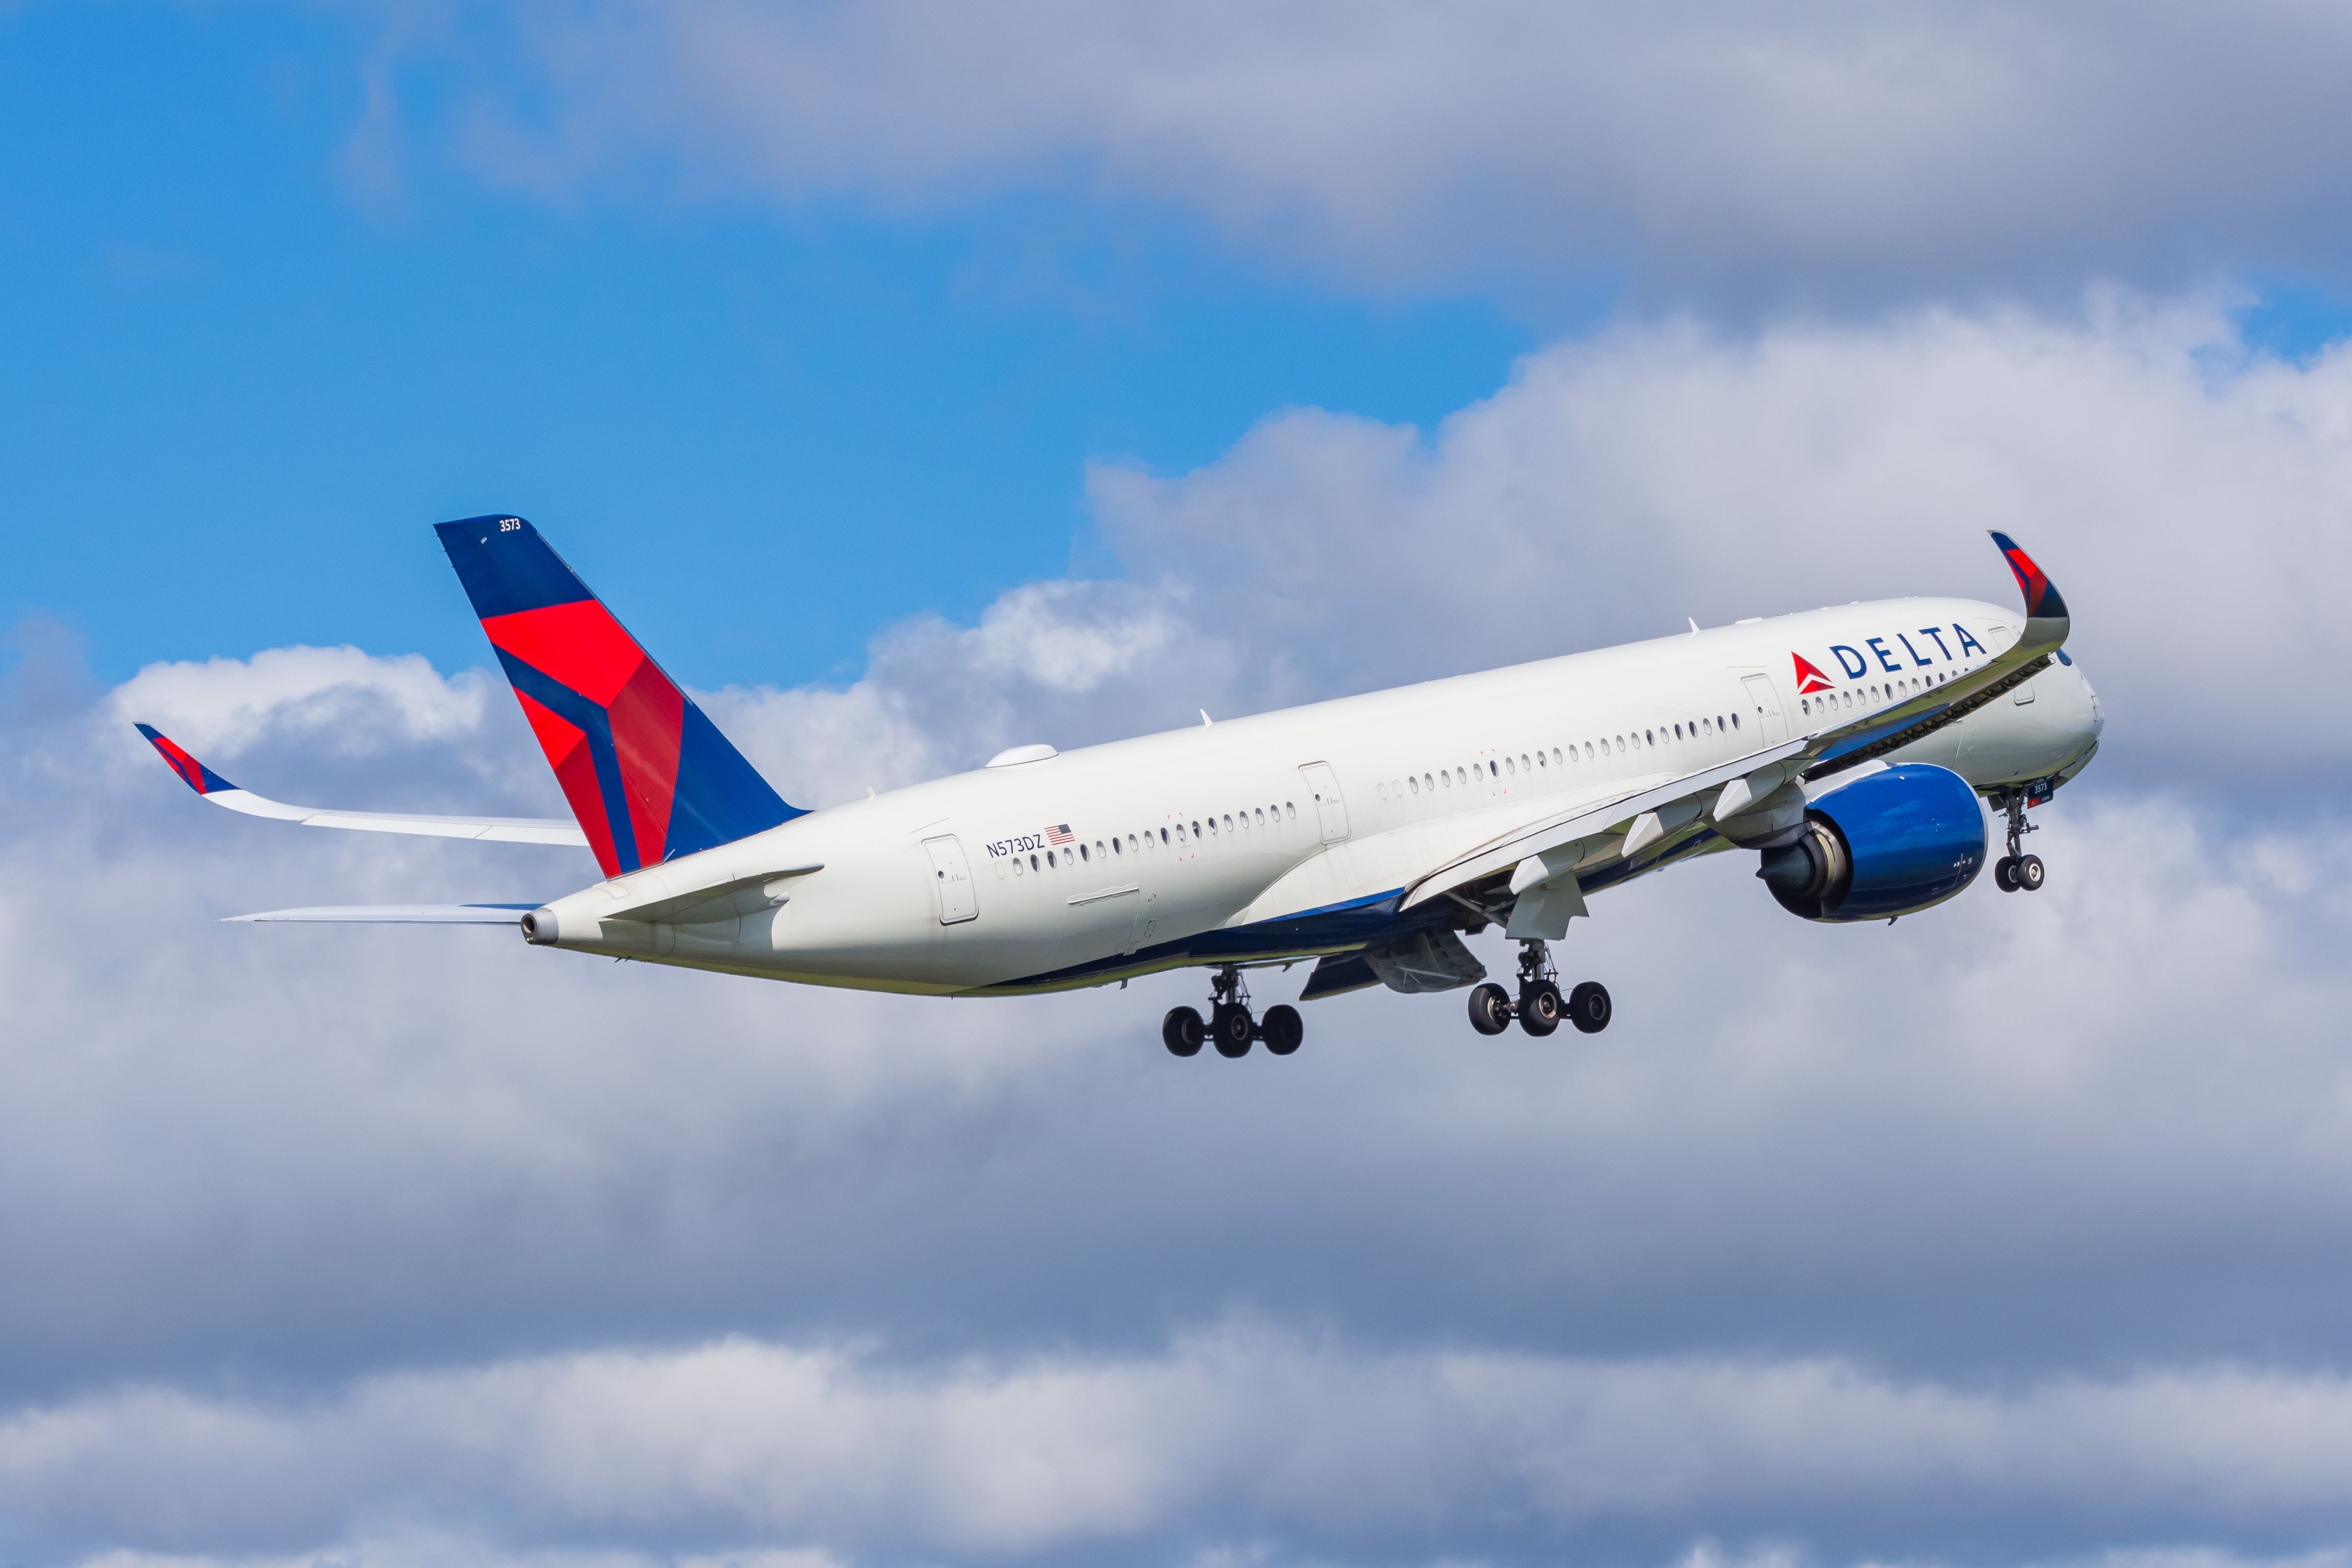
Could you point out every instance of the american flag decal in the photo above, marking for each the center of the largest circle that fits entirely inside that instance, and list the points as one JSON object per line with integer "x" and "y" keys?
{"x": 1060, "y": 835}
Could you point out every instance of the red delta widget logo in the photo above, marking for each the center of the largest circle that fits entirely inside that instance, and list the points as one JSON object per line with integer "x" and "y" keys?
{"x": 1809, "y": 679}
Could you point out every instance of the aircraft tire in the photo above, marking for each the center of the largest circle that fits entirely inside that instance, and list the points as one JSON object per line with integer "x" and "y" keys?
{"x": 1540, "y": 1009}
{"x": 1282, "y": 1030}
{"x": 1490, "y": 1008}
{"x": 1182, "y": 1032}
{"x": 2029, "y": 873}
{"x": 1234, "y": 1031}
{"x": 1588, "y": 1007}
{"x": 2004, "y": 874}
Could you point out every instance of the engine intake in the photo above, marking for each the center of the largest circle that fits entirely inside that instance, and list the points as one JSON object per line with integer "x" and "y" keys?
{"x": 1891, "y": 843}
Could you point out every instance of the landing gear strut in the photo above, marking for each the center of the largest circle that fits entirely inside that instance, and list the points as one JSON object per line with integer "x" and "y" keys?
{"x": 2016, "y": 869}
{"x": 1230, "y": 1027}
{"x": 1540, "y": 1006}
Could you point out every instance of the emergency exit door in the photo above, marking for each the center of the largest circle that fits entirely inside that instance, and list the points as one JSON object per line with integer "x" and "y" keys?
{"x": 952, "y": 879}
{"x": 1330, "y": 810}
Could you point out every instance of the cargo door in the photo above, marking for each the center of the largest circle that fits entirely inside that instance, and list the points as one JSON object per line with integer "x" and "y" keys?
{"x": 952, "y": 879}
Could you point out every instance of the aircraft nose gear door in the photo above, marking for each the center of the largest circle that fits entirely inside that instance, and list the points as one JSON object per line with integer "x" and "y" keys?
{"x": 1324, "y": 785}
{"x": 952, "y": 878}
{"x": 1771, "y": 725}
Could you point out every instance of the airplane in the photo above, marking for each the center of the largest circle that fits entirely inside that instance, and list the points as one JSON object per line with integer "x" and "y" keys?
{"x": 1847, "y": 748}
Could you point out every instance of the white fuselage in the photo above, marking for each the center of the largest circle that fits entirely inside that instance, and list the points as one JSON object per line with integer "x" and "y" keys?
{"x": 1233, "y": 840}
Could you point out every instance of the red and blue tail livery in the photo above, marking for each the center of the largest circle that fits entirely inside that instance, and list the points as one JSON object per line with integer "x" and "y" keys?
{"x": 648, "y": 777}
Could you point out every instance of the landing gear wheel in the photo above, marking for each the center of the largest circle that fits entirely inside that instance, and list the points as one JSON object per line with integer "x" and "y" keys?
{"x": 2004, "y": 874}
{"x": 1490, "y": 1008}
{"x": 2027, "y": 874}
{"x": 1181, "y": 1031}
{"x": 1234, "y": 1029}
{"x": 1282, "y": 1030}
{"x": 1589, "y": 1009}
{"x": 1540, "y": 1007}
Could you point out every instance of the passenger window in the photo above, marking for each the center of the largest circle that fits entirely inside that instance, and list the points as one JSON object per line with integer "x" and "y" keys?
{"x": 1229, "y": 822}
{"x": 1016, "y": 865}
{"x": 1049, "y": 857}
{"x": 1081, "y": 853}
{"x": 1163, "y": 835}
{"x": 1180, "y": 833}
{"x": 1735, "y": 721}
{"x": 1524, "y": 763}
{"x": 1492, "y": 770}
{"x": 1381, "y": 790}
{"x": 1556, "y": 760}
{"x": 1510, "y": 767}
{"x": 1260, "y": 815}
{"x": 1414, "y": 785}
{"x": 1290, "y": 811}
{"x": 1196, "y": 829}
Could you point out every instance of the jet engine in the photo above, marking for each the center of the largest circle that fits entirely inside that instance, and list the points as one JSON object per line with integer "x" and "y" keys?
{"x": 1891, "y": 843}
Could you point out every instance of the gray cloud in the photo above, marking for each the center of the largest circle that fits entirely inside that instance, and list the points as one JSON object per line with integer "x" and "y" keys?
{"x": 2014, "y": 1231}
{"x": 1831, "y": 152}
{"x": 1278, "y": 1436}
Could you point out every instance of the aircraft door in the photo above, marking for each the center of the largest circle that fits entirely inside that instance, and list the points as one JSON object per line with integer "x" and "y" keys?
{"x": 951, "y": 877}
{"x": 1771, "y": 724}
{"x": 1330, "y": 808}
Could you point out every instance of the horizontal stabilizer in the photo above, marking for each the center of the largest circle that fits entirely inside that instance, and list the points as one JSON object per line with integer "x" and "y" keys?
{"x": 395, "y": 914}
{"x": 220, "y": 792}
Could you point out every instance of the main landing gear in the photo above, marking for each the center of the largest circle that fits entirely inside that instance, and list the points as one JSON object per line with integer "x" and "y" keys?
{"x": 1230, "y": 1026}
{"x": 2014, "y": 869}
{"x": 1540, "y": 1006}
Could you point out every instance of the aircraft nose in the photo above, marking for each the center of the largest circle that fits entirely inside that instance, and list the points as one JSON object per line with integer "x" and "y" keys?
{"x": 2096, "y": 718}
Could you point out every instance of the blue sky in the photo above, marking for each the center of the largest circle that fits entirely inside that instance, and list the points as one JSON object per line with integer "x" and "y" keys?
{"x": 238, "y": 391}
{"x": 920, "y": 379}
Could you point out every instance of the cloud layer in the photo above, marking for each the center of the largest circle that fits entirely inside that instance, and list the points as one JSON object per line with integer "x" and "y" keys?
{"x": 1831, "y": 153}
{"x": 2014, "y": 1232}
{"x": 1274, "y": 1437}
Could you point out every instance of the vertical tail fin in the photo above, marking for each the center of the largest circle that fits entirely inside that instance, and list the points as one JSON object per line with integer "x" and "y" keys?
{"x": 648, "y": 777}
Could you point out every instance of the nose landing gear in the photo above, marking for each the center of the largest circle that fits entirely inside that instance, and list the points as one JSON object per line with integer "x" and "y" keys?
{"x": 1540, "y": 1006}
{"x": 2016, "y": 869}
{"x": 1230, "y": 1026}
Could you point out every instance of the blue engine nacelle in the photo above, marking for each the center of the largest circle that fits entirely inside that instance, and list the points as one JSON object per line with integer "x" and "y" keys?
{"x": 1891, "y": 843}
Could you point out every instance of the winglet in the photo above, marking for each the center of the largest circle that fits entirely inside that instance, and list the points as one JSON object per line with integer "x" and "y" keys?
{"x": 197, "y": 776}
{"x": 2043, "y": 600}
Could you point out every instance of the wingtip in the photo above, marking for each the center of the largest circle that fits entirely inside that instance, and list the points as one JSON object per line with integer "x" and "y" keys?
{"x": 2043, "y": 600}
{"x": 193, "y": 773}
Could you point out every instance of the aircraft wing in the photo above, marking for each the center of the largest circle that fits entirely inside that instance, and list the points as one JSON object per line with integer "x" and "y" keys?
{"x": 397, "y": 915}
{"x": 495, "y": 830}
{"x": 1548, "y": 850}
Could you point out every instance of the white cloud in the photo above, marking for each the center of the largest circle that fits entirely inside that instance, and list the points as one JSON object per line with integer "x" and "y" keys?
{"x": 2030, "y": 1211}
{"x": 2189, "y": 497}
{"x": 1813, "y": 151}
{"x": 750, "y": 1441}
